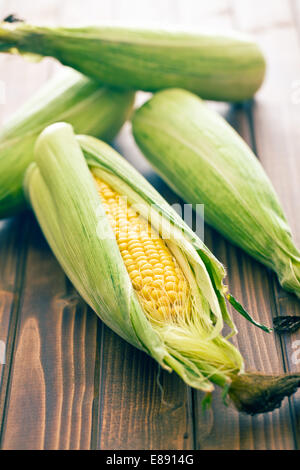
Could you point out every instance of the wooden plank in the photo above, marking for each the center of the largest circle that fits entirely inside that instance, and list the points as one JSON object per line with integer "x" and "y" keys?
{"x": 276, "y": 126}
{"x": 13, "y": 248}
{"x": 228, "y": 429}
{"x": 24, "y": 426}
{"x": 13, "y": 233}
{"x": 51, "y": 390}
{"x": 223, "y": 428}
{"x": 140, "y": 406}
{"x": 50, "y": 403}
{"x": 132, "y": 412}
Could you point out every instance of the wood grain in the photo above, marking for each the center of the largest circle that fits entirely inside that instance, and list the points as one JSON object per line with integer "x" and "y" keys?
{"x": 140, "y": 406}
{"x": 51, "y": 388}
{"x": 276, "y": 118}
{"x": 13, "y": 249}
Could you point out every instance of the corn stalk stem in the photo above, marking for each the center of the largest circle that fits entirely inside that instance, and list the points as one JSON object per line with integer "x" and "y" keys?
{"x": 255, "y": 393}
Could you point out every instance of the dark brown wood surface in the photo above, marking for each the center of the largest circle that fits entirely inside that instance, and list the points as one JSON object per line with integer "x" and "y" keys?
{"x": 68, "y": 381}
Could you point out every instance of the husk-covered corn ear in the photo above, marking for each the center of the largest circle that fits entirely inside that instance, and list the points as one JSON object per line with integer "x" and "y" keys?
{"x": 217, "y": 66}
{"x": 69, "y": 96}
{"x": 156, "y": 285}
{"x": 205, "y": 161}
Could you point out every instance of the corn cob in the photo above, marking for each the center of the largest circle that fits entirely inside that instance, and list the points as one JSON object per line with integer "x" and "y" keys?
{"x": 164, "y": 295}
{"x": 88, "y": 106}
{"x": 205, "y": 161}
{"x": 155, "y": 275}
{"x": 215, "y": 66}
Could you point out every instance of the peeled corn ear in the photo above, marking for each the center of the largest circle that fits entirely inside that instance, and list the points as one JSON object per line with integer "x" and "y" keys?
{"x": 69, "y": 197}
{"x": 163, "y": 295}
{"x": 205, "y": 161}
{"x": 88, "y": 106}
{"x": 227, "y": 67}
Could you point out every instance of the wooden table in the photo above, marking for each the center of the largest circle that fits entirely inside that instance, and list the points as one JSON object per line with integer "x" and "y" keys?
{"x": 68, "y": 381}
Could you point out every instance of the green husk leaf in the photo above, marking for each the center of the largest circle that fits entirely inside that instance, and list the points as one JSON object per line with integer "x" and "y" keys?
{"x": 220, "y": 66}
{"x": 71, "y": 97}
{"x": 206, "y": 402}
{"x": 206, "y": 162}
{"x": 225, "y": 393}
{"x": 239, "y": 308}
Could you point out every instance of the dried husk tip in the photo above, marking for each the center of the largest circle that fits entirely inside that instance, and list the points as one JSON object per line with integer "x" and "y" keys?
{"x": 255, "y": 393}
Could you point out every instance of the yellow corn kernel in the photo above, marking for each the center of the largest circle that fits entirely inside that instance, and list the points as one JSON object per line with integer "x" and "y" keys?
{"x": 154, "y": 272}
